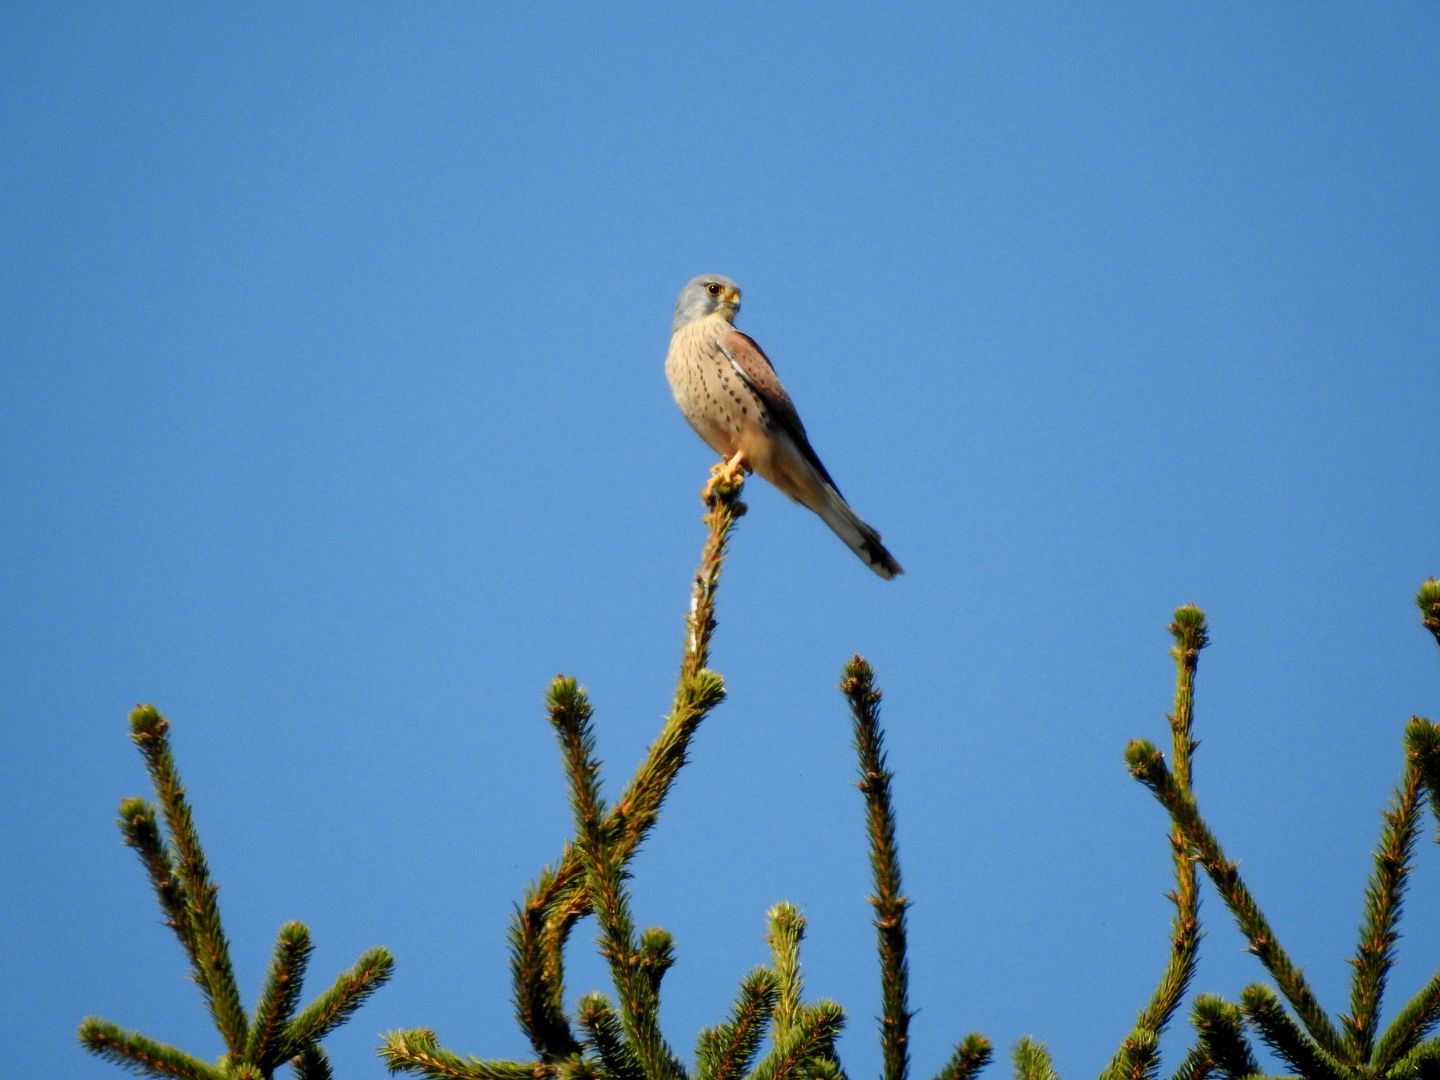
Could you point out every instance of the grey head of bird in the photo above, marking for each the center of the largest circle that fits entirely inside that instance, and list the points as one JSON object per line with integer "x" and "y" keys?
{"x": 706, "y": 295}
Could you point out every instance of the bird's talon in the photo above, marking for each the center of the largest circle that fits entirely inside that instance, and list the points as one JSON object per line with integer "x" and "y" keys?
{"x": 725, "y": 474}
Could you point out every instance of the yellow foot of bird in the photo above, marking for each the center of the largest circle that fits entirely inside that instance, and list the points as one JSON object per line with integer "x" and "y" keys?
{"x": 726, "y": 474}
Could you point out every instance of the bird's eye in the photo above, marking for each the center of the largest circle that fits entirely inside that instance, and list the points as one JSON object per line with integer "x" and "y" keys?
{"x": 713, "y": 288}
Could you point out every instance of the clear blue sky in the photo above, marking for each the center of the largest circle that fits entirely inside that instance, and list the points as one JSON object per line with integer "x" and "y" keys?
{"x": 335, "y": 425}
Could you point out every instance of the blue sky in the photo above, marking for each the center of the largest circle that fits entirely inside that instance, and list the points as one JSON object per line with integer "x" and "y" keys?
{"x": 335, "y": 425}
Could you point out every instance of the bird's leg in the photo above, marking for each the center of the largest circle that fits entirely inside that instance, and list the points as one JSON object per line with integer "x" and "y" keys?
{"x": 725, "y": 474}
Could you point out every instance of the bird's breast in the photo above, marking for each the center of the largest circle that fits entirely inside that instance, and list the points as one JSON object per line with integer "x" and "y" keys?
{"x": 720, "y": 405}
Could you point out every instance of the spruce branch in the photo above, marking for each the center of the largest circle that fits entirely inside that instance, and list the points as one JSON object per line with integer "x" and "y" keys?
{"x": 1032, "y": 1061}
{"x": 537, "y": 974}
{"x": 140, "y": 828}
{"x": 416, "y": 1051}
{"x": 656, "y": 955}
{"x": 605, "y": 1036}
{"x": 312, "y": 1063}
{"x": 971, "y": 1055}
{"x": 787, "y": 930}
{"x": 1221, "y": 1026}
{"x": 181, "y": 879}
{"x": 1428, "y": 601}
{"x": 204, "y": 937}
{"x": 580, "y": 1067}
{"x": 1196, "y": 1066}
{"x": 1191, "y": 635}
{"x": 726, "y": 1052}
{"x": 337, "y": 1004}
{"x": 568, "y": 707}
{"x": 1137, "y": 1059}
{"x": 822, "y": 1068}
{"x": 559, "y": 898}
{"x": 635, "y": 965}
{"x": 858, "y": 686}
{"x": 137, "y": 1053}
{"x": 1283, "y": 1036}
{"x": 1148, "y": 766}
{"x": 1422, "y": 1063}
{"x": 280, "y": 996}
{"x": 1422, "y": 750}
{"x": 1384, "y": 898}
{"x": 807, "y": 1045}
{"x": 1413, "y": 1024}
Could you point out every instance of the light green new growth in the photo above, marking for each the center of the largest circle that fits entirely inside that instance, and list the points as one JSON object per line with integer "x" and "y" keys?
{"x": 787, "y": 931}
{"x": 181, "y": 879}
{"x": 1428, "y": 601}
{"x": 1032, "y": 1061}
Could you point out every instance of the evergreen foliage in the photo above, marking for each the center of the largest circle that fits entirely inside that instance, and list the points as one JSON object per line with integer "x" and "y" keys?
{"x": 189, "y": 899}
{"x": 772, "y": 1031}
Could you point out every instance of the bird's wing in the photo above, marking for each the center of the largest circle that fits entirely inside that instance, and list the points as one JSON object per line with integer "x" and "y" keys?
{"x": 753, "y": 366}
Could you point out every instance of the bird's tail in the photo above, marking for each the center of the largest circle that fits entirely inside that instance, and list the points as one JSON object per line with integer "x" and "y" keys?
{"x": 859, "y": 537}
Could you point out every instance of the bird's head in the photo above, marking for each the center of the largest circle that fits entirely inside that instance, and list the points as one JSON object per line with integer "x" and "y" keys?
{"x": 706, "y": 295}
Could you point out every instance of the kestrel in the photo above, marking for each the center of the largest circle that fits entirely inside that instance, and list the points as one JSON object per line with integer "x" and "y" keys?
{"x": 728, "y": 390}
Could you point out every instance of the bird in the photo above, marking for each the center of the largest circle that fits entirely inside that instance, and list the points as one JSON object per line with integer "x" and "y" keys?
{"x": 727, "y": 389}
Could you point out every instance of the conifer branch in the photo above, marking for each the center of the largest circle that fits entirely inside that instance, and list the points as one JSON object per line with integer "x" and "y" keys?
{"x": 787, "y": 930}
{"x": 280, "y": 996}
{"x": 1384, "y": 898}
{"x": 636, "y": 966}
{"x": 141, "y": 831}
{"x": 808, "y": 1044}
{"x": 971, "y": 1055}
{"x": 1283, "y": 1036}
{"x": 181, "y": 879}
{"x": 1428, "y": 601}
{"x": 1191, "y": 635}
{"x": 338, "y": 1004}
{"x": 1415, "y": 1021}
{"x": 859, "y": 689}
{"x": 825, "y": 1068}
{"x": 605, "y": 1035}
{"x": 312, "y": 1063}
{"x": 569, "y": 710}
{"x": 205, "y": 937}
{"x": 1196, "y": 1066}
{"x": 559, "y": 898}
{"x": 140, "y": 1054}
{"x": 1422, "y": 1063}
{"x": 1137, "y": 1059}
{"x": 416, "y": 1051}
{"x": 580, "y": 1067}
{"x": 1148, "y": 766}
{"x": 1032, "y": 1061}
{"x": 537, "y": 973}
{"x": 727, "y": 1051}
{"x": 1222, "y": 1035}
{"x": 1422, "y": 750}
{"x": 657, "y": 955}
